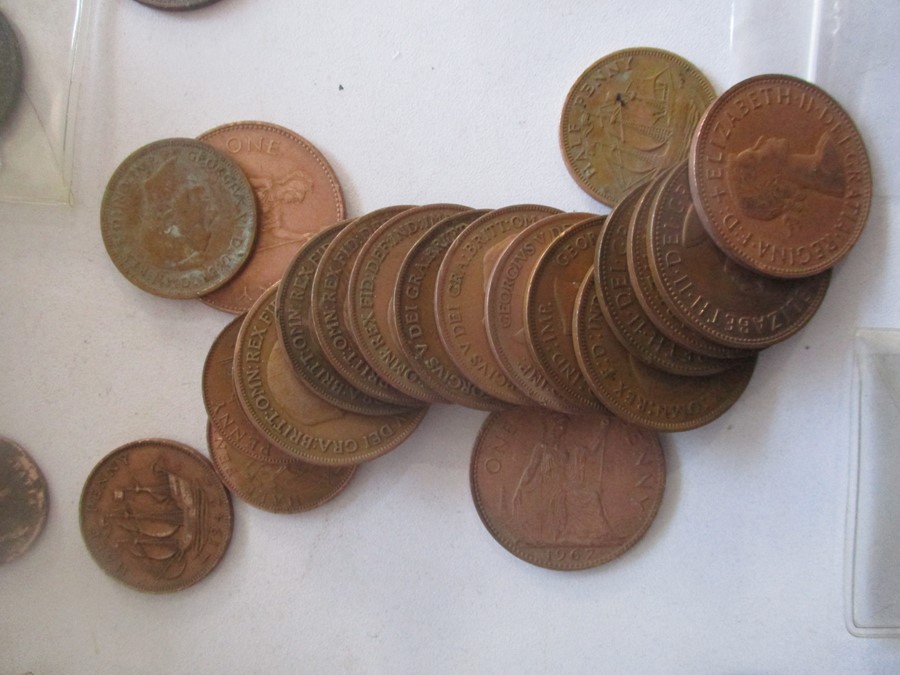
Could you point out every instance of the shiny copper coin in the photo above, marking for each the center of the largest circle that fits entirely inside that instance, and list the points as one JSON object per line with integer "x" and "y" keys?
{"x": 780, "y": 176}
{"x": 23, "y": 501}
{"x": 628, "y": 116}
{"x": 460, "y": 296}
{"x": 278, "y": 488}
{"x": 297, "y": 193}
{"x": 642, "y": 394}
{"x": 566, "y": 492}
{"x": 10, "y": 69}
{"x": 294, "y": 315}
{"x": 155, "y": 515}
{"x": 370, "y": 296}
{"x": 549, "y": 304}
{"x": 505, "y": 307}
{"x": 416, "y": 322}
{"x": 330, "y": 311}
{"x": 178, "y": 218}
{"x": 705, "y": 288}
{"x": 291, "y": 416}
{"x": 177, "y": 5}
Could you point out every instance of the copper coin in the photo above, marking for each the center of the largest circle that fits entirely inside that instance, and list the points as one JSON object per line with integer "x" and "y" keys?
{"x": 627, "y": 318}
{"x": 330, "y": 309}
{"x": 628, "y": 116}
{"x": 178, "y": 218}
{"x": 177, "y": 5}
{"x": 707, "y": 289}
{"x": 291, "y": 416}
{"x": 505, "y": 307}
{"x": 23, "y": 501}
{"x": 416, "y": 322}
{"x": 155, "y": 515}
{"x": 10, "y": 69}
{"x": 566, "y": 492}
{"x": 297, "y": 194}
{"x": 642, "y": 394}
{"x": 780, "y": 176}
{"x": 549, "y": 305}
{"x": 370, "y": 296}
{"x": 460, "y": 296}
{"x": 278, "y": 488}
{"x": 648, "y": 295}
{"x": 294, "y": 315}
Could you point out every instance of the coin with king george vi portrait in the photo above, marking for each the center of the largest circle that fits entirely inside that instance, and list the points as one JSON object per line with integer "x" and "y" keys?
{"x": 23, "y": 501}
{"x": 10, "y": 69}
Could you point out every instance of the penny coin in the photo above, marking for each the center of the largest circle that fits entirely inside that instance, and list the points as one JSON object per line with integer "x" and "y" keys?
{"x": 505, "y": 307}
{"x": 330, "y": 309}
{"x": 155, "y": 515}
{"x": 177, "y": 5}
{"x": 566, "y": 492}
{"x": 297, "y": 194}
{"x": 416, "y": 323}
{"x": 707, "y": 289}
{"x": 279, "y": 488}
{"x": 460, "y": 296}
{"x": 291, "y": 416}
{"x": 23, "y": 501}
{"x": 780, "y": 176}
{"x": 10, "y": 69}
{"x": 178, "y": 218}
{"x": 642, "y": 394}
{"x": 370, "y": 295}
{"x": 294, "y": 309}
{"x": 627, "y": 318}
{"x": 549, "y": 305}
{"x": 628, "y": 116}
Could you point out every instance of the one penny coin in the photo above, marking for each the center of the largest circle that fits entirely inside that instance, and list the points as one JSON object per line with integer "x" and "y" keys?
{"x": 566, "y": 492}
{"x": 628, "y": 116}
{"x": 23, "y": 501}
{"x": 178, "y": 218}
{"x": 780, "y": 176}
{"x": 155, "y": 515}
{"x": 10, "y": 69}
{"x": 297, "y": 194}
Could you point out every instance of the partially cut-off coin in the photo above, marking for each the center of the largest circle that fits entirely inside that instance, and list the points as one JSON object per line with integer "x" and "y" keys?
{"x": 23, "y": 501}
{"x": 177, "y": 5}
{"x": 10, "y": 69}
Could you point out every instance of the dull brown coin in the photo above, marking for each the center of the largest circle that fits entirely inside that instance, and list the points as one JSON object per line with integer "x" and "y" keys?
{"x": 291, "y": 416}
{"x": 642, "y": 394}
{"x": 294, "y": 315}
{"x": 330, "y": 310}
{"x": 416, "y": 323}
{"x": 178, "y": 218}
{"x": 505, "y": 308}
{"x": 549, "y": 305}
{"x": 708, "y": 290}
{"x": 23, "y": 501}
{"x": 155, "y": 515}
{"x": 177, "y": 5}
{"x": 780, "y": 176}
{"x": 460, "y": 296}
{"x": 278, "y": 488}
{"x": 370, "y": 296}
{"x": 566, "y": 492}
{"x": 628, "y": 116}
{"x": 297, "y": 194}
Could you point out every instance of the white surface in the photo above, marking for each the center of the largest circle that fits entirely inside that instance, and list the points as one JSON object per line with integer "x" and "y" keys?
{"x": 441, "y": 101}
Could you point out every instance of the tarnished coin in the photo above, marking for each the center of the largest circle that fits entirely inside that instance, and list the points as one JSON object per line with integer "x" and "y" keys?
{"x": 549, "y": 305}
{"x": 155, "y": 515}
{"x": 416, "y": 323}
{"x": 291, "y": 416}
{"x": 23, "y": 501}
{"x": 370, "y": 295}
{"x": 460, "y": 296}
{"x": 294, "y": 315}
{"x": 10, "y": 69}
{"x": 178, "y": 218}
{"x": 330, "y": 312}
{"x": 566, "y": 492}
{"x": 279, "y": 488}
{"x": 642, "y": 394}
{"x": 628, "y": 116}
{"x": 504, "y": 310}
{"x": 297, "y": 194}
{"x": 780, "y": 176}
{"x": 177, "y": 5}
{"x": 707, "y": 289}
